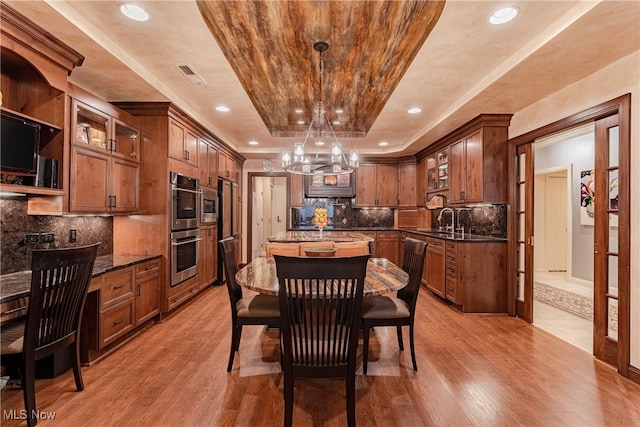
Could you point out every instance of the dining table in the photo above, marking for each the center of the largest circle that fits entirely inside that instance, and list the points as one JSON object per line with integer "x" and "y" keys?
{"x": 382, "y": 277}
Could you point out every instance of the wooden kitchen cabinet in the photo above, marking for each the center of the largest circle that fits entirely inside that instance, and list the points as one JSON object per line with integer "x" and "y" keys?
{"x": 183, "y": 143}
{"x": 407, "y": 185}
{"x": 208, "y": 262}
{"x": 147, "y": 286}
{"x": 116, "y": 305}
{"x": 476, "y": 276}
{"x": 435, "y": 265}
{"x": 296, "y": 190}
{"x": 33, "y": 82}
{"x": 105, "y": 161}
{"x": 227, "y": 167}
{"x": 451, "y": 272}
{"x": 387, "y": 246}
{"x": 208, "y": 164}
{"x": 421, "y": 181}
{"x": 377, "y": 185}
{"x": 478, "y": 161}
{"x": 467, "y": 176}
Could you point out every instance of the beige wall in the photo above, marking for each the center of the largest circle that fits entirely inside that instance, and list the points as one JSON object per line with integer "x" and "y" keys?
{"x": 617, "y": 79}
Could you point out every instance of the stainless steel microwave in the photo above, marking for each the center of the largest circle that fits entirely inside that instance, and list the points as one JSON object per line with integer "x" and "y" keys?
{"x": 209, "y": 207}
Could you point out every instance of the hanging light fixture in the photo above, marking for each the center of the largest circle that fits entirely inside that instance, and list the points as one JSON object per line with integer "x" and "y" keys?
{"x": 322, "y": 136}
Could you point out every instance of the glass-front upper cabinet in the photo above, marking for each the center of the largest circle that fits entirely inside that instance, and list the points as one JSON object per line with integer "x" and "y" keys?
{"x": 97, "y": 130}
{"x": 438, "y": 170}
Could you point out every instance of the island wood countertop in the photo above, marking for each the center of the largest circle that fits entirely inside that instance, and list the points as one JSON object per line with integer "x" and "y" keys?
{"x": 314, "y": 236}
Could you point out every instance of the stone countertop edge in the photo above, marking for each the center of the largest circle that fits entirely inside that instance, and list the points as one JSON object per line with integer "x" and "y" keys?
{"x": 17, "y": 285}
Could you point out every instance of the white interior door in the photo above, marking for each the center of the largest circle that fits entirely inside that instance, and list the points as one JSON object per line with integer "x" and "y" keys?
{"x": 556, "y": 221}
{"x": 279, "y": 206}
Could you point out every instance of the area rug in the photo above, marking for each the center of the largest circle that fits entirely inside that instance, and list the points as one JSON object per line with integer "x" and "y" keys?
{"x": 573, "y": 303}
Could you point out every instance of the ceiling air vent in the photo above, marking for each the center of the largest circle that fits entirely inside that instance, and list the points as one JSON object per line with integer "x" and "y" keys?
{"x": 191, "y": 74}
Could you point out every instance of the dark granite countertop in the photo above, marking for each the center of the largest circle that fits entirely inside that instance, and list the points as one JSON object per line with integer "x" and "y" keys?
{"x": 334, "y": 235}
{"x": 17, "y": 285}
{"x": 458, "y": 237}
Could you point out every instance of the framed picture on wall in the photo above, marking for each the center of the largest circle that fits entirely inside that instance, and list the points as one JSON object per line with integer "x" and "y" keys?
{"x": 587, "y": 194}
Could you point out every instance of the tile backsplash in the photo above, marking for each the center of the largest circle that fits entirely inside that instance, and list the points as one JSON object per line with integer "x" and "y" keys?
{"x": 485, "y": 220}
{"x": 342, "y": 214}
{"x": 15, "y": 224}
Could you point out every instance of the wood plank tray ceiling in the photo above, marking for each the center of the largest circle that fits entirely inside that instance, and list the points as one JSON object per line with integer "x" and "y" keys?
{"x": 269, "y": 45}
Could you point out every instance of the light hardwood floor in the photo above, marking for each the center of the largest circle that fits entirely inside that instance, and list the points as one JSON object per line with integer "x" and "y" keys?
{"x": 473, "y": 370}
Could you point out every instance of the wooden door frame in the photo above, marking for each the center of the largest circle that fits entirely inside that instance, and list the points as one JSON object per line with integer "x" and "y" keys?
{"x": 622, "y": 107}
{"x": 250, "y": 176}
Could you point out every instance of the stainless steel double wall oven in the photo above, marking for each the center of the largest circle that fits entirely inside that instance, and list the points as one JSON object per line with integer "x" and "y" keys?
{"x": 185, "y": 218}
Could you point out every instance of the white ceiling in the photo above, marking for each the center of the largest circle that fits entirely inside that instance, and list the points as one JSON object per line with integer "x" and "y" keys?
{"x": 466, "y": 67}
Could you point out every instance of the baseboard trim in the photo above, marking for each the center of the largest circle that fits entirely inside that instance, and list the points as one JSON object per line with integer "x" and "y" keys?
{"x": 634, "y": 374}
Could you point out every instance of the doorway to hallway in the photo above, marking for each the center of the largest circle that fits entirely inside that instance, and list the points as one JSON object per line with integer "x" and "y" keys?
{"x": 268, "y": 210}
{"x": 562, "y": 259}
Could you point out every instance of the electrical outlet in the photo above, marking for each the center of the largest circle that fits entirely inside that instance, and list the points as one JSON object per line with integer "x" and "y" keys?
{"x": 30, "y": 239}
{"x": 73, "y": 236}
{"x": 47, "y": 238}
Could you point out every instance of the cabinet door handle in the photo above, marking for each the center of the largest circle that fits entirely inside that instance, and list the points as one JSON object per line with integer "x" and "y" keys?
{"x": 109, "y": 204}
{"x": 186, "y": 154}
{"x": 139, "y": 289}
{"x": 114, "y": 202}
{"x": 120, "y": 320}
{"x": 121, "y": 285}
{"x": 462, "y": 195}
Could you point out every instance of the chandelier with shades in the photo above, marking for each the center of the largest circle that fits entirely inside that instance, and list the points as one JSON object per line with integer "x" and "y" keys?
{"x": 320, "y": 136}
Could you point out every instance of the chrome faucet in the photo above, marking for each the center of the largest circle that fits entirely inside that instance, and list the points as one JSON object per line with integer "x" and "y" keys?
{"x": 449, "y": 228}
{"x": 460, "y": 226}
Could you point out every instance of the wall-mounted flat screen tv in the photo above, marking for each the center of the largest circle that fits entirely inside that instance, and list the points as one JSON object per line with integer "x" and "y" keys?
{"x": 19, "y": 144}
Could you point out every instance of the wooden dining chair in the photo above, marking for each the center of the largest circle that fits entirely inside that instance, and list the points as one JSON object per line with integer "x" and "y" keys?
{"x": 59, "y": 283}
{"x": 250, "y": 310}
{"x": 383, "y": 310}
{"x": 320, "y": 302}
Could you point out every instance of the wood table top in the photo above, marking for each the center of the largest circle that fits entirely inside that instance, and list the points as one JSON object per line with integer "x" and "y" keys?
{"x": 383, "y": 276}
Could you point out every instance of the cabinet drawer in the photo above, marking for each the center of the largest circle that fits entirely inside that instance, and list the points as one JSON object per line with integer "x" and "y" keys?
{"x": 435, "y": 243}
{"x": 117, "y": 287}
{"x": 186, "y": 293}
{"x": 452, "y": 289}
{"x": 115, "y": 322}
{"x": 451, "y": 271}
{"x": 13, "y": 309}
{"x": 147, "y": 268}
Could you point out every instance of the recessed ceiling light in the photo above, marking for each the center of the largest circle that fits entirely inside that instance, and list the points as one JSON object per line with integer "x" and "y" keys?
{"x": 253, "y": 142}
{"x": 300, "y": 122}
{"x": 222, "y": 109}
{"x": 504, "y": 15}
{"x": 414, "y": 110}
{"x": 383, "y": 143}
{"x": 134, "y": 12}
{"x": 319, "y": 143}
{"x": 339, "y": 110}
{"x": 298, "y": 110}
{"x": 336, "y": 122}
